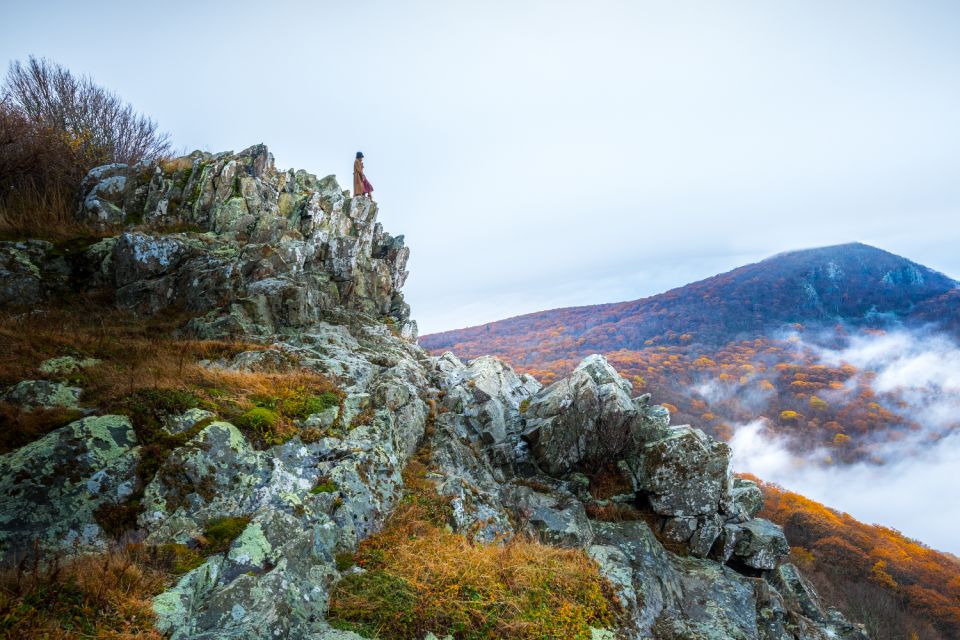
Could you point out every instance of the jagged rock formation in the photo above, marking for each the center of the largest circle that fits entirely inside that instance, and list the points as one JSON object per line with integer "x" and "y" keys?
{"x": 290, "y": 261}
{"x": 247, "y": 248}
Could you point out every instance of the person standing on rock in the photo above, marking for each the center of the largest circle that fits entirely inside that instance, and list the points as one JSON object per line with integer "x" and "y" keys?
{"x": 361, "y": 186}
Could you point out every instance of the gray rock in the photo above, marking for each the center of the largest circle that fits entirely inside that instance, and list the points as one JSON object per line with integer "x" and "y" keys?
{"x": 679, "y": 529}
{"x": 66, "y": 365}
{"x": 586, "y": 419}
{"x": 557, "y": 519}
{"x": 667, "y": 596}
{"x": 761, "y": 544}
{"x": 104, "y": 188}
{"x": 50, "y": 488}
{"x": 42, "y": 394}
{"x": 21, "y": 280}
{"x": 289, "y": 261}
{"x": 186, "y": 421}
{"x": 708, "y": 530}
{"x": 323, "y": 420}
{"x": 747, "y": 498}
{"x": 31, "y": 271}
{"x": 285, "y": 247}
{"x": 685, "y": 473}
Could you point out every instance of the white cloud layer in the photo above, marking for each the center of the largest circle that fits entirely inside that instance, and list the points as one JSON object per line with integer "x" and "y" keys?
{"x": 915, "y": 494}
{"x": 914, "y": 490}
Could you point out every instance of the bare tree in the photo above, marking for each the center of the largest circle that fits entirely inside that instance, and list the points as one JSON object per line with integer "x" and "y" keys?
{"x": 103, "y": 127}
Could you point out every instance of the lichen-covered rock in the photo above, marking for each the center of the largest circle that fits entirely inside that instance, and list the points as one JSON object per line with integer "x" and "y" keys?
{"x": 21, "y": 282}
{"x": 50, "y": 488}
{"x": 668, "y": 596}
{"x": 799, "y": 595}
{"x": 761, "y": 544}
{"x": 747, "y": 498}
{"x": 273, "y": 580}
{"x": 42, "y": 394}
{"x": 555, "y": 518}
{"x": 66, "y": 365}
{"x": 175, "y": 425}
{"x": 104, "y": 189}
{"x": 685, "y": 473}
{"x": 29, "y": 271}
{"x": 585, "y": 419}
{"x": 291, "y": 262}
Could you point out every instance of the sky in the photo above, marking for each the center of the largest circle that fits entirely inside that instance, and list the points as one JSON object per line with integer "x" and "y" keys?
{"x": 545, "y": 154}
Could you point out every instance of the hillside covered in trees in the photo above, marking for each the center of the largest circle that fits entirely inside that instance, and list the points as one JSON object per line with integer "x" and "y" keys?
{"x": 896, "y": 586}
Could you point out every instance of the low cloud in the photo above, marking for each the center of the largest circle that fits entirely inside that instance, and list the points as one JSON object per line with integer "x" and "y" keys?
{"x": 911, "y": 493}
{"x": 916, "y": 373}
{"x": 923, "y": 368}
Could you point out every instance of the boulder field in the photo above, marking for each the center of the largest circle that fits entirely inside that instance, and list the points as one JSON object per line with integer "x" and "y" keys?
{"x": 295, "y": 264}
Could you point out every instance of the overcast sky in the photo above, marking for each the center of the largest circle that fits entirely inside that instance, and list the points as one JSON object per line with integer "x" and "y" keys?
{"x": 546, "y": 154}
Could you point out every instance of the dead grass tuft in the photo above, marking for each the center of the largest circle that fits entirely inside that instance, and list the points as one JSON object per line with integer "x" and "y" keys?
{"x": 613, "y": 512}
{"x": 46, "y": 214}
{"x": 609, "y": 481}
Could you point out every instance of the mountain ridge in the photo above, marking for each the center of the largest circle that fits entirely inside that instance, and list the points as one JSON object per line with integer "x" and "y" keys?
{"x": 883, "y": 269}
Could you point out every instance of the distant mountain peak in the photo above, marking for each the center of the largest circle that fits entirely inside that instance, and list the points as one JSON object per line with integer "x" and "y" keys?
{"x": 852, "y": 282}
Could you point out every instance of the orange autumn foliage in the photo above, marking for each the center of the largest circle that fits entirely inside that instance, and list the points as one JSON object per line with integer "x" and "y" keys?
{"x": 844, "y": 549}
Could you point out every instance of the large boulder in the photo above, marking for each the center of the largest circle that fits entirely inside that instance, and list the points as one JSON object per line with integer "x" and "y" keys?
{"x": 760, "y": 544}
{"x": 30, "y": 271}
{"x": 487, "y": 392}
{"x": 555, "y": 518}
{"x": 586, "y": 419}
{"x": 42, "y": 394}
{"x": 50, "y": 488}
{"x": 747, "y": 498}
{"x": 685, "y": 473}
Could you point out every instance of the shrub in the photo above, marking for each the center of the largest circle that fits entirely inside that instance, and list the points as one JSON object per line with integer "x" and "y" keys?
{"x": 148, "y": 408}
{"x": 54, "y": 127}
{"x": 89, "y": 117}
{"x": 344, "y": 561}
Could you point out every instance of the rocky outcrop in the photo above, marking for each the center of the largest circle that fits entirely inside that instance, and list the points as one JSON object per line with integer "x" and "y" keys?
{"x": 719, "y": 579}
{"x": 291, "y": 261}
{"x": 582, "y": 420}
{"x": 245, "y": 247}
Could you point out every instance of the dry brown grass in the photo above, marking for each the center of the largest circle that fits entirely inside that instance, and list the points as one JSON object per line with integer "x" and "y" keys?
{"x": 87, "y": 596}
{"x": 171, "y": 165}
{"x": 609, "y": 482}
{"x": 136, "y": 352}
{"x": 613, "y": 512}
{"x": 147, "y": 354}
{"x": 421, "y": 577}
{"x": 46, "y": 214}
